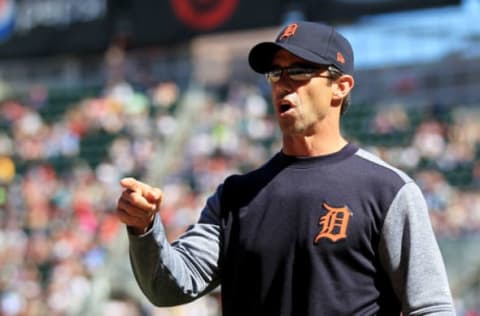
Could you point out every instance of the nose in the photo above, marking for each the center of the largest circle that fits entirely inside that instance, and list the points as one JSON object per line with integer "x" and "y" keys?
{"x": 283, "y": 86}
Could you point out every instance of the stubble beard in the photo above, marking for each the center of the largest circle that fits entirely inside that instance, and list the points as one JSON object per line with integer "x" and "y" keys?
{"x": 297, "y": 128}
{"x": 298, "y": 125}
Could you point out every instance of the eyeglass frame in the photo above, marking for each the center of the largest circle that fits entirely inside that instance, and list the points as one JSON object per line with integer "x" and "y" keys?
{"x": 334, "y": 73}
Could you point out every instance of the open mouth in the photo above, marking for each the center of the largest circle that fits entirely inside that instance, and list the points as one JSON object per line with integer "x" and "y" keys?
{"x": 284, "y": 106}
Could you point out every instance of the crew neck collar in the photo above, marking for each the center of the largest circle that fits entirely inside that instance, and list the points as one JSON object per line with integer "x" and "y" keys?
{"x": 305, "y": 161}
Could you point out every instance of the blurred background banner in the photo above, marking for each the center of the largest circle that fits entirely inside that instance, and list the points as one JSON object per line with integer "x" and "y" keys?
{"x": 46, "y": 27}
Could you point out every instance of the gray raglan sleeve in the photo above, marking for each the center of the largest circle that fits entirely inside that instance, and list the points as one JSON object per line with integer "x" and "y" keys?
{"x": 177, "y": 273}
{"x": 412, "y": 258}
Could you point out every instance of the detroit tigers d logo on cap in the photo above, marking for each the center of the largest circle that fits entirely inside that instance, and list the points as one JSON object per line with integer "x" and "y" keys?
{"x": 288, "y": 31}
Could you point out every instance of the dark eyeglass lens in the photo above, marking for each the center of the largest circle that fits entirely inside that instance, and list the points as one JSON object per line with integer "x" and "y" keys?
{"x": 300, "y": 73}
{"x": 294, "y": 73}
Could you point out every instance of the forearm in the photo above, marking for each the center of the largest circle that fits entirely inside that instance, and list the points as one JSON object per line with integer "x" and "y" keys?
{"x": 178, "y": 273}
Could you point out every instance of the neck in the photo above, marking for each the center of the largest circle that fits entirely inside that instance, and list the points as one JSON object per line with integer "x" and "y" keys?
{"x": 322, "y": 141}
{"x": 310, "y": 147}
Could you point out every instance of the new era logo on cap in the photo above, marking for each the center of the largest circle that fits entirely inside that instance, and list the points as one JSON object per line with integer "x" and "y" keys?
{"x": 315, "y": 42}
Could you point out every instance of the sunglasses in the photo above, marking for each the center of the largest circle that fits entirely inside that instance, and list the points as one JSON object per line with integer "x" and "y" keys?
{"x": 299, "y": 73}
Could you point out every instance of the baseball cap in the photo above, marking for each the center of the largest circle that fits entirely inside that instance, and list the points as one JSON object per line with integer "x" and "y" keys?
{"x": 315, "y": 42}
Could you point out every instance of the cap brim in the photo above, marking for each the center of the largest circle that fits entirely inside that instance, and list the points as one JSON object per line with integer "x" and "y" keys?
{"x": 261, "y": 55}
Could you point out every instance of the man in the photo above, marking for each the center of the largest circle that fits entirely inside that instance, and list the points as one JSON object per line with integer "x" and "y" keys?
{"x": 323, "y": 228}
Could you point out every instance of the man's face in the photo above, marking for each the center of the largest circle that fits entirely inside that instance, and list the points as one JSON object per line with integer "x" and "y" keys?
{"x": 300, "y": 105}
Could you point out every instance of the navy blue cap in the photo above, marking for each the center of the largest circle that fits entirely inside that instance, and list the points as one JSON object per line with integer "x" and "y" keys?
{"x": 315, "y": 42}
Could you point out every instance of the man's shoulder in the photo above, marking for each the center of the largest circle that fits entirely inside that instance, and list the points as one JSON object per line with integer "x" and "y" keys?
{"x": 271, "y": 166}
{"x": 238, "y": 189}
{"x": 380, "y": 167}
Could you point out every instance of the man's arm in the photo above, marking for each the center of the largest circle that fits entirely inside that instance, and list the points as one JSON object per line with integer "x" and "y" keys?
{"x": 177, "y": 273}
{"x": 410, "y": 254}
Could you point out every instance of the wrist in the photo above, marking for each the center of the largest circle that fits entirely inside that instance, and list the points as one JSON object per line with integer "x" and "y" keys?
{"x": 137, "y": 231}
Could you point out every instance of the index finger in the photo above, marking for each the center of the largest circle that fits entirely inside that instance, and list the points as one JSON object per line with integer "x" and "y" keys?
{"x": 150, "y": 193}
{"x": 134, "y": 185}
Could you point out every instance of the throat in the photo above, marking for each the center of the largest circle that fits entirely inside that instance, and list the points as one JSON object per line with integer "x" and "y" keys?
{"x": 311, "y": 146}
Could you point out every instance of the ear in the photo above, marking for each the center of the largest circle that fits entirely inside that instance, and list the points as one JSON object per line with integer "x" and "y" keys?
{"x": 342, "y": 87}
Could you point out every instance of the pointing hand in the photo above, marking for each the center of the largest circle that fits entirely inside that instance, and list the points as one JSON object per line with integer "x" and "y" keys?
{"x": 138, "y": 204}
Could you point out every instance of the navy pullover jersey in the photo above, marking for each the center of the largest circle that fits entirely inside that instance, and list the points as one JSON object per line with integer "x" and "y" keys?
{"x": 342, "y": 234}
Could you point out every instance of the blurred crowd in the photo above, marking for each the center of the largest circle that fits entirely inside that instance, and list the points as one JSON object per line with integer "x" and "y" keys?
{"x": 59, "y": 184}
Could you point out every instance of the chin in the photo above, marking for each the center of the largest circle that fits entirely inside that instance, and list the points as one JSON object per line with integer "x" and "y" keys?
{"x": 292, "y": 130}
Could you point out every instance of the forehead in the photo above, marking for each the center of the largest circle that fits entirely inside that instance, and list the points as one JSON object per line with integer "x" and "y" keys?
{"x": 284, "y": 58}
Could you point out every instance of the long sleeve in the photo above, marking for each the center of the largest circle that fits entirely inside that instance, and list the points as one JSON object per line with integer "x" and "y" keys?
{"x": 177, "y": 273}
{"x": 411, "y": 256}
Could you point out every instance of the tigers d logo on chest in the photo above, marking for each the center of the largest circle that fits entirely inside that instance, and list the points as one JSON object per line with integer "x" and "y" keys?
{"x": 334, "y": 224}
